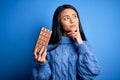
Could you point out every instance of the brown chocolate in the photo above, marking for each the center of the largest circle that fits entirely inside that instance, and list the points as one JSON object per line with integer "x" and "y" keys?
{"x": 43, "y": 38}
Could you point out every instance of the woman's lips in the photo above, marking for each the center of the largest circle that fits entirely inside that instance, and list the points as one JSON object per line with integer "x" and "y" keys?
{"x": 74, "y": 25}
{"x": 71, "y": 31}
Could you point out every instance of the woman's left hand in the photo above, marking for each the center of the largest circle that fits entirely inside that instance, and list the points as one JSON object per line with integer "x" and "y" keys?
{"x": 76, "y": 36}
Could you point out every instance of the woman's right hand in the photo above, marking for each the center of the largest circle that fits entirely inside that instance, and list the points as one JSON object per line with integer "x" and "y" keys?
{"x": 40, "y": 55}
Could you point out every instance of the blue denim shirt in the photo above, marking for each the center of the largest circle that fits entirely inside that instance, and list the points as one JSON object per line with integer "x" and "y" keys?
{"x": 69, "y": 61}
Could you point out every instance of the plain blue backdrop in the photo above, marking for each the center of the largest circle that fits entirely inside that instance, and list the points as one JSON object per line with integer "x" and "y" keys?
{"x": 20, "y": 23}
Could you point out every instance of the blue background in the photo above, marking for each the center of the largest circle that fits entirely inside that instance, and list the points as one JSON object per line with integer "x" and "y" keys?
{"x": 20, "y": 23}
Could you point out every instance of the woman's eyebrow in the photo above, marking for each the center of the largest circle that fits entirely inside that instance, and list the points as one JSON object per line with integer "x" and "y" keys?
{"x": 64, "y": 16}
{"x": 74, "y": 14}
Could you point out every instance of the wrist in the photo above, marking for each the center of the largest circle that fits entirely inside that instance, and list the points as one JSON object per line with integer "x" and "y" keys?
{"x": 79, "y": 40}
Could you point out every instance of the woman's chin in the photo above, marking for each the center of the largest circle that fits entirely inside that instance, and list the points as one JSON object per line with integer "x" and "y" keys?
{"x": 73, "y": 30}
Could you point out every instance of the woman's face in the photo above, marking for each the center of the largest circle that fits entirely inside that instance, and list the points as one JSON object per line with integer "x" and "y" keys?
{"x": 69, "y": 20}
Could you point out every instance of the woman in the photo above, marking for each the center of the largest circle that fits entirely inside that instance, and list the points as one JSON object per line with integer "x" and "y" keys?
{"x": 68, "y": 55}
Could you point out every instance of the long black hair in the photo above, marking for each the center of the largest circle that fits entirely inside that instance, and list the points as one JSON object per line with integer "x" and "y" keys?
{"x": 57, "y": 29}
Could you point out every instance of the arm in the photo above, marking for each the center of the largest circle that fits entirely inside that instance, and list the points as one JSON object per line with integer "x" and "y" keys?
{"x": 42, "y": 71}
{"x": 87, "y": 65}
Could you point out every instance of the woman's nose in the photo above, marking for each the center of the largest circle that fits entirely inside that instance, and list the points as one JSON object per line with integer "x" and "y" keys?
{"x": 71, "y": 20}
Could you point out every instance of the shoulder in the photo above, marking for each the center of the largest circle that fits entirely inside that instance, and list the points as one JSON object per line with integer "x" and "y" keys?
{"x": 51, "y": 47}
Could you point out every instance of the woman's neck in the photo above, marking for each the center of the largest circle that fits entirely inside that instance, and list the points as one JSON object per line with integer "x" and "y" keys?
{"x": 65, "y": 33}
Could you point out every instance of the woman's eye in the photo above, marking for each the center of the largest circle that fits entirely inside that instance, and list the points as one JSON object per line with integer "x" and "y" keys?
{"x": 66, "y": 18}
{"x": 74, "y": 16}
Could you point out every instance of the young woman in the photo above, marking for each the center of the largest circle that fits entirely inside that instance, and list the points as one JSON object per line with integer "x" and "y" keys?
{"x": 68, "y": 55}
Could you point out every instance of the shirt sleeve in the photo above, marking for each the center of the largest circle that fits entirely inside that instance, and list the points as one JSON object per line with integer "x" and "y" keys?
{"x": 42, "y": 71}
{"x": 87, "y": 65}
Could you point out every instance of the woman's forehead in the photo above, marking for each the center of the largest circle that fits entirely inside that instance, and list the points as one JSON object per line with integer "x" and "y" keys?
{"x": 68, "y": 11}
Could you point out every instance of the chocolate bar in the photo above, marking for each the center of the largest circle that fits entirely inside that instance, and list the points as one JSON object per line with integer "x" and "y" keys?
{"x": 43, "y": 38}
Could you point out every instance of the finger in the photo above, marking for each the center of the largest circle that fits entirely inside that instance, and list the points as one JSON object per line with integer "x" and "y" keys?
{"x": 74, "y": 33}
{"x": 35, "y": 53}
{"x": 71, "y": 34}
{"x": 41, "y": 50}
{"x": 44, "y": 48}
{"x": 43, "y": 58}
{"x": 40, "y": 54}
{"x": 39, "y": 58}
{"x": 44, "y": 54}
